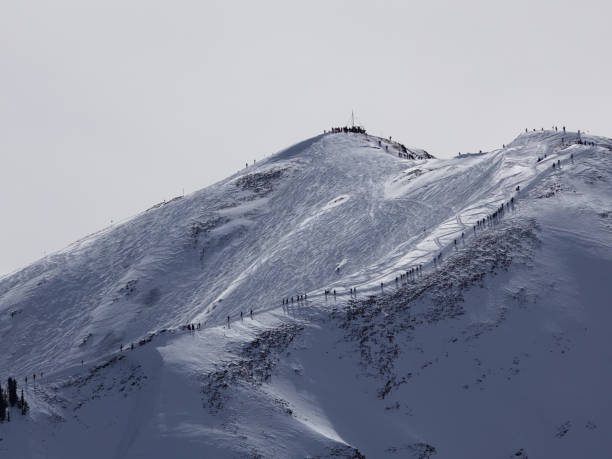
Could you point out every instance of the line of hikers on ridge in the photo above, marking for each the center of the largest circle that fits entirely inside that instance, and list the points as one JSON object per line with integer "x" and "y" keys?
{"x": 487, "y": 221}
{"x": 575, "y": 142}
{"x": 554, "y": 128}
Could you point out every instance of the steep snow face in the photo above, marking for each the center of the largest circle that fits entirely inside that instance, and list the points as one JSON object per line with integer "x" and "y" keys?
{"x": 338, "y": 211}
{"x": 301, "y": 220}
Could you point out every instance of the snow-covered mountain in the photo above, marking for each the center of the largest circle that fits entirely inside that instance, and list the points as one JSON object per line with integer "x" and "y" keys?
{"x": 498, "y": 348}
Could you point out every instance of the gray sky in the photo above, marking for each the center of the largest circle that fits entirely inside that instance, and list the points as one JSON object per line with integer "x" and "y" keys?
{"x": 108, "y": 107}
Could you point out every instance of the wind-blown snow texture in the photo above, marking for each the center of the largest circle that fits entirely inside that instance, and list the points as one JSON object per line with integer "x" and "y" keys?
{"x": 499, "y": 350}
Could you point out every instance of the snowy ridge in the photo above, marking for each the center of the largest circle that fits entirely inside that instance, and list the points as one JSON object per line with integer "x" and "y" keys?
{"x": 382, "y": 373}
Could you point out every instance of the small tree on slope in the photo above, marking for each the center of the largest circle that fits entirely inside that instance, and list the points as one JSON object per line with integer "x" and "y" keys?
{"x": 3, "y": 405}
{"x": 12, "y": 391}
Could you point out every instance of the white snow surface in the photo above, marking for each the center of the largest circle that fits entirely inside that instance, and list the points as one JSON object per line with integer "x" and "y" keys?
{"x": 501, "y": 349}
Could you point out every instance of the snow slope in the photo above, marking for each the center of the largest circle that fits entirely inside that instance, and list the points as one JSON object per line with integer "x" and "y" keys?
{"x": 498, "y": 350}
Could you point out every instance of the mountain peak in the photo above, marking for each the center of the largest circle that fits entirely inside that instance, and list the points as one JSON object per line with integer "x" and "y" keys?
{"x": 345, "y": 261}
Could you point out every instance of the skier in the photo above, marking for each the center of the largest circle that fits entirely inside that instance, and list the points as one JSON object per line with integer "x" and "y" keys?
{"x": 228, "y": 321}
{"x": 251, "y": 313}
{"x": 241, "y": 315}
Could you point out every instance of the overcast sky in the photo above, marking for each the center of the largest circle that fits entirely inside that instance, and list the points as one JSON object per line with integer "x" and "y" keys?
{"x": 108, "y": 107}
